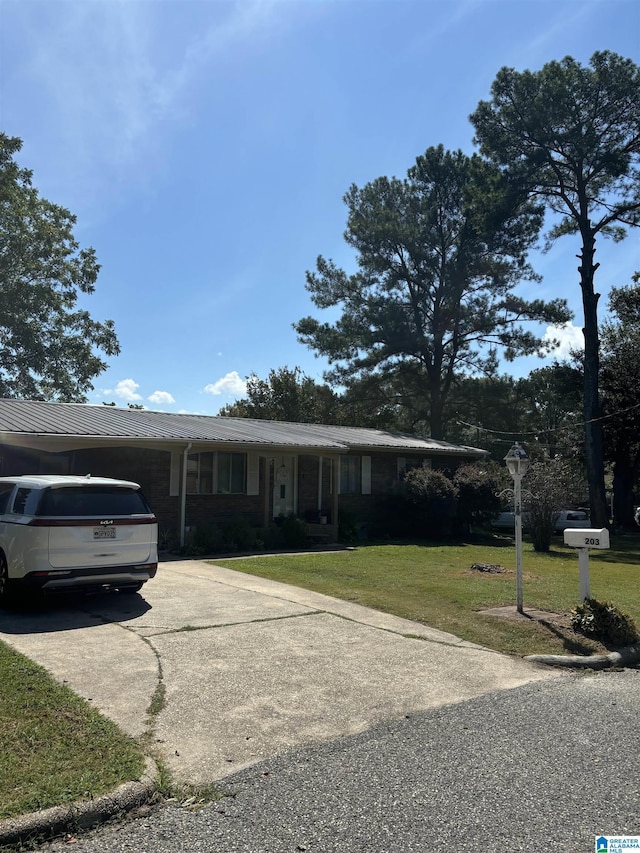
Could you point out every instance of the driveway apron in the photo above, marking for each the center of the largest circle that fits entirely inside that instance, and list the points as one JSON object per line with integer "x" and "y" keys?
{"x": 225, "y": 669}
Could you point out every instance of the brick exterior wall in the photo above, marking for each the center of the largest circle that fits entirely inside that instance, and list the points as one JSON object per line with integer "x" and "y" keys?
{"x": 151, "y": 468}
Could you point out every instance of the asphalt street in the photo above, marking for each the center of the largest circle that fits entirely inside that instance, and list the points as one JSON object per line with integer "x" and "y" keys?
{"x": 547, "y": 765}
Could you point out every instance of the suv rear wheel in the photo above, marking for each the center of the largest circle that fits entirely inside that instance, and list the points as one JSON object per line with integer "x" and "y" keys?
{"x": 4, "y": 578}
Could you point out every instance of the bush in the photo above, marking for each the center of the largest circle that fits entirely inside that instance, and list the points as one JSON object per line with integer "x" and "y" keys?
{"x": 422, "y": 506}
{"x": 348, "y": 527}
{"x": 433, "y": 497}
{"x": 602, "y": 621}
{"x": 294, "y": 531}
{"x": 207, "y": 539}
{"x": 478, "y": 485}
{"x": 238, "y": 535}
{"x": 548, "y": 487}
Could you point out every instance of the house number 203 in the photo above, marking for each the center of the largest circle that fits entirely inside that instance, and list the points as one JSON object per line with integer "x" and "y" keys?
{"x": 591, "y": 540}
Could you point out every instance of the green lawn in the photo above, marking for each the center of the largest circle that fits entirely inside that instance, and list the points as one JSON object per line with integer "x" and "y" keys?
{"x": 54, "y": 747}
{"x": 434, "y": 584}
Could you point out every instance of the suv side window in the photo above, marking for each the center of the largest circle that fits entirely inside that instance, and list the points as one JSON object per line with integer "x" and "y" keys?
{"x": 5, "y": 493}
{"x": 21, "y": 503}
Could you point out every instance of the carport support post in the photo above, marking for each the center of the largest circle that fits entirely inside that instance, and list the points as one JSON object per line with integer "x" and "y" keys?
{"x": 183, "y": 493}
{"x": 583, "y": 566}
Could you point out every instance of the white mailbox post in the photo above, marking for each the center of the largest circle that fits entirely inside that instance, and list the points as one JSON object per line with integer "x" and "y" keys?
{"x": 584, "y": 538}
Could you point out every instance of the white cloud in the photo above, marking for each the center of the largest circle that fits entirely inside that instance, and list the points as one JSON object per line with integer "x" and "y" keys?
{"x": 126, "y": 389}
{"x": 231, "y": 385}
{"x": 569, "y": 336}
{"x": 160, "y": 397}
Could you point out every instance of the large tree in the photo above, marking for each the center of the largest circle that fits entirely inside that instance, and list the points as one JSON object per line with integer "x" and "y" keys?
{"x": 572, "y": 136}
{"x": 438, "y": 256}
{"x": 287, "y": 394}
{"x": 621, "y": 393}
{"x": 48, "y": 346}
{"x": 551, "y": 402}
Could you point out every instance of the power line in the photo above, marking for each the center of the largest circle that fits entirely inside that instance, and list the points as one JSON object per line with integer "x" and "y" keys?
{"x": 549, "y": 429}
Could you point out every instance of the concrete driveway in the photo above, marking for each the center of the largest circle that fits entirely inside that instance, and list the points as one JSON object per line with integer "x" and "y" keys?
{"x": 225, "y": 669}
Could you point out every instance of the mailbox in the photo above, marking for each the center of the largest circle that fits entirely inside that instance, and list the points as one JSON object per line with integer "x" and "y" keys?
{"x": 583, "y": 537}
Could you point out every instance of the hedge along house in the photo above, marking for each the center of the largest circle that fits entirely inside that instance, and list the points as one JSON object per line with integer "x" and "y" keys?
{"x": 197, "y": 469}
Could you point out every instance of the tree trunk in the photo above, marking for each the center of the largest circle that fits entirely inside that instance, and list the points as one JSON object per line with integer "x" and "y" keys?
{"x": 623, "y": 480}
{"x": 436, "y": 409}
{"x": 594, "y": 447}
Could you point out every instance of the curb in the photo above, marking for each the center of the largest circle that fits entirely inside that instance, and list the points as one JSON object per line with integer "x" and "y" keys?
{"x": 628, "y": 656}
{"x": 84, "y": 813}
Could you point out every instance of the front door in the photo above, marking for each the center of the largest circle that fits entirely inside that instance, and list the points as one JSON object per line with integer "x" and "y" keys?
{"x": 284, "y": 485}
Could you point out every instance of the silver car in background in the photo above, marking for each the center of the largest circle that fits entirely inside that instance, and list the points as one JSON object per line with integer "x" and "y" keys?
{"x": 576, "y": 518}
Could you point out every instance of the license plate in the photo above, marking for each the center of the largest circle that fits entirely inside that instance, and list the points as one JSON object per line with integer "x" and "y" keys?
{"x": 104, "y": 533}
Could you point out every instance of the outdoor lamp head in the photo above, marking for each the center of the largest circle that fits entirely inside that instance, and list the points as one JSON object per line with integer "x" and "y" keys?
{"x": 517, "y": 461}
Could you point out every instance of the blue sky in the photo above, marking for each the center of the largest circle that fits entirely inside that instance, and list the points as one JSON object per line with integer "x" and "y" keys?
{"x": 205, "y": 147}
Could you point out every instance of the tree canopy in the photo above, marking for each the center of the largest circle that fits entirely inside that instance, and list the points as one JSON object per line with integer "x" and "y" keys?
{"x": 48, "y": 346}
{"x": 286, "y": 395}
{"x": 572, "y": 136}
{"x": 438, "y": 255}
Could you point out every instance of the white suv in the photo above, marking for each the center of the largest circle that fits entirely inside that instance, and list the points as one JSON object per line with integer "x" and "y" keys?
{"x": 66, "y": 532}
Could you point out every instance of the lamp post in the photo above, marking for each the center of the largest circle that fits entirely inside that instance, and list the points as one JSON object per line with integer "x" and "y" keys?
{"x": 517, "y": 463}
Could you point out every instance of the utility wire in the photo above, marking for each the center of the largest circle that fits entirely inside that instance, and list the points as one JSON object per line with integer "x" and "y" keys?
{"x": 549, "y": 429}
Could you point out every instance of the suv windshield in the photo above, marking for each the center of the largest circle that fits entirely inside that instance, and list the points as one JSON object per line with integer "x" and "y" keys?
{"x": 92, "y": 501}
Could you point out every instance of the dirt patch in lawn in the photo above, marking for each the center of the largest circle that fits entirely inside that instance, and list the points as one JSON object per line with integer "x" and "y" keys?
{"x": 530, "y": 614}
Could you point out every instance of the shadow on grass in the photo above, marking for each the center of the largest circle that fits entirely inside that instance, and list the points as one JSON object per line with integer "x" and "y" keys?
{"x": 492, "y": 540}
{"x": 571, "y": 641}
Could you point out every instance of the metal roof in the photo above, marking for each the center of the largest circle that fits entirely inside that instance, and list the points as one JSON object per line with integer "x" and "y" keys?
{"x": 79, "y": 420}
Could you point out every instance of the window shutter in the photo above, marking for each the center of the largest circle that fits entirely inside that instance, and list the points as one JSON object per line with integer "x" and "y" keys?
{"x": 174, "y": 474}
{"x": 402, "y": 464}
{"x": 253, "y": 474}
{"x": 366, "y": 474}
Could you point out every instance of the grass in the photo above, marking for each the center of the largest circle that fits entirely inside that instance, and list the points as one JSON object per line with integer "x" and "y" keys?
{"x": 54, "y": 747}
{"x": 433, "y": 584}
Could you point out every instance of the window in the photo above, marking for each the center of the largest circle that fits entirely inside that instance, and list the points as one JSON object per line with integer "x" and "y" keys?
{"x": 20, "y": 501}
{"x": 92, "y": 500}
{"x": 231, "y": 473}
{"x": 5, "y": 493}
{"x": 221, "y": 473}
{"x": 349, "y": 475}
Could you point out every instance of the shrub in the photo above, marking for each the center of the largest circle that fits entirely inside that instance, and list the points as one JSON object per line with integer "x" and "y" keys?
{"x": 478, "y": 485}
{"x": 421, "y": 506}
{"x": 270, "y": 538}
{"x": 603, "y": 621}
{"x": 238, "y": 535}
{"x": 168, "y": 539}
{"x": 294, "y": 531}
{"x": 433, "y": 497}
{"x": 347, "y": 527}
{"x": 548, "y": 487}
{"x": 207, "y": 539}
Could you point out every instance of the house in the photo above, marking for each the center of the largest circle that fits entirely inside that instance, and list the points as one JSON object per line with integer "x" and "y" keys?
{"x": 199, "y": 468}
